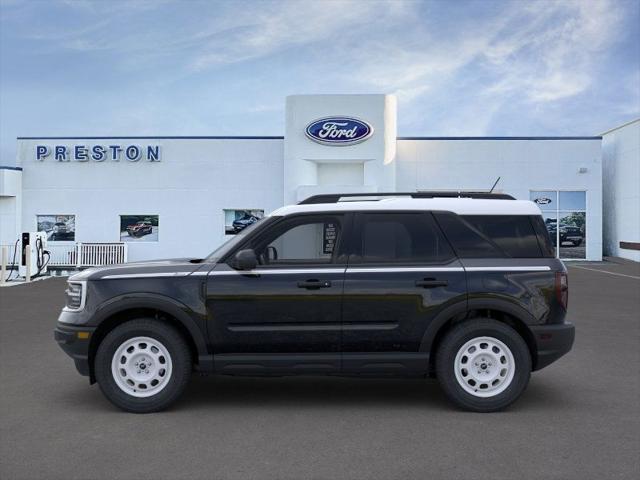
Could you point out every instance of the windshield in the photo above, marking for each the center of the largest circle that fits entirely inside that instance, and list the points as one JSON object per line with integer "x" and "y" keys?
{"x": 237, "y": 239}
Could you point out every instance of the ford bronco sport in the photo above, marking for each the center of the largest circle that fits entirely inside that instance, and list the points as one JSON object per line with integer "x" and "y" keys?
{"x": 463, "y": 287}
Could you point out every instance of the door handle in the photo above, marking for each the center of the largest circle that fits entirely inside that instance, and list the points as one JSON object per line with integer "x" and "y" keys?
{"x": 431, "y": 283}
{"x": 314, "y": 284}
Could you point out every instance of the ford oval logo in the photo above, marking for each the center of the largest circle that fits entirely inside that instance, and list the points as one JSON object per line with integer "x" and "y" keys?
{"x": 542, "y": 201}
{"x": 338, "y": 130}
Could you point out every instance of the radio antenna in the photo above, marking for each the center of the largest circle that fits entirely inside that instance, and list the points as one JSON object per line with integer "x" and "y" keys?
{"x": 494, "y": 185}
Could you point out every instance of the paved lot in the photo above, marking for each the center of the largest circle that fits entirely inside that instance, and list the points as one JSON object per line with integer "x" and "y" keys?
{"x": 580, "y": 418}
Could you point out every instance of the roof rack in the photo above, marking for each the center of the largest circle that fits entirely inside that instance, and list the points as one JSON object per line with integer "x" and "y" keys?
{"x": 336, "y": 197}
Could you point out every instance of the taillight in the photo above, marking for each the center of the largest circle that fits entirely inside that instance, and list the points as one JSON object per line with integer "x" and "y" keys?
{"x": 562, "y": 289}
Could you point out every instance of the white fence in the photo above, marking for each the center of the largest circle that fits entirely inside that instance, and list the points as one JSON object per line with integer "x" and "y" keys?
{"x": 94, "y": 254}
{"x": 78, "y": 255}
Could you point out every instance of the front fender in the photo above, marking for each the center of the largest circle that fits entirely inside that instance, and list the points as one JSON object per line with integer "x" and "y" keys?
{"x": 195, "y": 326}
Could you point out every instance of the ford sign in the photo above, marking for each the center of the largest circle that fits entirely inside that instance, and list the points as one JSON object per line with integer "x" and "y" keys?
{"x": 542, "y": 201}
{"x": 338, "y": 130}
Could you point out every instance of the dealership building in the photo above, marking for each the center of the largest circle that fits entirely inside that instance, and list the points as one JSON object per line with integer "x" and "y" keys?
{"x": 182, "y": 196}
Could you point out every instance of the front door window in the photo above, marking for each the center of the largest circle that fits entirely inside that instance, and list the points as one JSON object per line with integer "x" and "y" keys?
{"x": 303, "y": 241}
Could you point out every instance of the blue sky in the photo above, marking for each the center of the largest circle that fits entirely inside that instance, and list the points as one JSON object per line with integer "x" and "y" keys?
{"x": 224, "y": 68}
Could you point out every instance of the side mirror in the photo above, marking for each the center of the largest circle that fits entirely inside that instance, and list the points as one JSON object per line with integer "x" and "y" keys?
{"x": 245, "y": 260}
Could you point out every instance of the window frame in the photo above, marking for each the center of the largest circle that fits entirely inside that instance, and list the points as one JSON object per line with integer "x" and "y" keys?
{"x": 557, "y": 211}
{"x": 355, "y": 240}
{"x": 60, "y": 242}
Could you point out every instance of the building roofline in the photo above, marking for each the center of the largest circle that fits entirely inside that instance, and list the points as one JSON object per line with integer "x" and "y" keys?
{"x": 502, "y": 138}
{"x": 258, "y": 137}
{"x": 7, "y": 167}
{"x": 159, "y": 137}
{"x": 620, "y": 126}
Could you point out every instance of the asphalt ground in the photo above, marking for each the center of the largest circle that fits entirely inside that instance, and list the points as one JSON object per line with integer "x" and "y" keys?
{"x": 579, "y": 418}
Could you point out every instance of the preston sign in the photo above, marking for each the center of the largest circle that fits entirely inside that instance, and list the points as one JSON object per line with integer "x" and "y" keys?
{"x": 98, "y": 153}
{"x": 339, "y": 130}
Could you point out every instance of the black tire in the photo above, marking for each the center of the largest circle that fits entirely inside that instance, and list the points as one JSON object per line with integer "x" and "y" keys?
{"x": 177, "y": 348}
{"x": 456, "y": 338}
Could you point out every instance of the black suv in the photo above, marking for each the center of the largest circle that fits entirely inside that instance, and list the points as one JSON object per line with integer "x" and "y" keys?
{"x": 466, "y": 289}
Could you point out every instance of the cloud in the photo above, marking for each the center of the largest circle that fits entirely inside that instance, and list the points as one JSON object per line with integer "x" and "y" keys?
{"x": 282, "y": 26}
{"x": 535, "y": 55}
{"x": 548, "y": 52}
{"x": 200, "y": 67}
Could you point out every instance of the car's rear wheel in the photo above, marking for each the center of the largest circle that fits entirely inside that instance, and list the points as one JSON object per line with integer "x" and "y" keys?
{"x": 483, "y": 365}
{"x": 143, "y": 365}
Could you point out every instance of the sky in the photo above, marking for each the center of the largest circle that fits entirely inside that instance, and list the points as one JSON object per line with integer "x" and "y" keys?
{"x": 458, "y": 68}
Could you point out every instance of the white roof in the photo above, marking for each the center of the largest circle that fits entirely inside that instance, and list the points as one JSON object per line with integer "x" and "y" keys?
{"x": 461, "y": 206}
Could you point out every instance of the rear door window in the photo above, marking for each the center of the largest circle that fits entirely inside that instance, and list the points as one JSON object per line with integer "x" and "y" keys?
{"x": 400, "y": 238}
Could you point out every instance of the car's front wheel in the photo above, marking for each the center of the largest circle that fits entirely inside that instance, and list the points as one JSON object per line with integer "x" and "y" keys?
{"x": 143, "y": 365}
{"x": 483, "y": 365}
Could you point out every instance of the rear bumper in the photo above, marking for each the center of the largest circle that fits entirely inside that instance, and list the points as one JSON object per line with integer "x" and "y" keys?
{"x": 552, "y": 342}
{"x": 75, "y": 343}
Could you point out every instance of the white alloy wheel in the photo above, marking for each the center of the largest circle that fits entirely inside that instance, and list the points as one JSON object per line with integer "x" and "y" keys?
{"x": 141, "y": 367}
{"x": 484, "y": 367}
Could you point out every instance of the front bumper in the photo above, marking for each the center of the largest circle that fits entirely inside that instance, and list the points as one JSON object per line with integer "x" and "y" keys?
{"x": 75, "y": 340}
{"x": 552, "y": 342}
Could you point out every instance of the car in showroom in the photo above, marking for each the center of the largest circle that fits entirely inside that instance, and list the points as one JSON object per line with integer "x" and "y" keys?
{"x": 139, "y": 229}
{"x": 463, "y": 287}
{"x": 243, "y": 222}
{"x": 61, "y": 231}
{"x": 568, "y": 234}
{"x": 571, "y": 234}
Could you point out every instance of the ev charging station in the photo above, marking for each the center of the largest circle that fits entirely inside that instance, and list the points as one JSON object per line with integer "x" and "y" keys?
{"x": 34, "y": 254}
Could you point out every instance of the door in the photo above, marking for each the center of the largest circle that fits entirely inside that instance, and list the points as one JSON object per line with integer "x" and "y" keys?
{"x": 286, "y": 313}
{"x": 401, "y": 274}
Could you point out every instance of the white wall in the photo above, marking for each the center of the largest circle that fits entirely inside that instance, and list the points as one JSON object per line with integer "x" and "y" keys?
{"x": 10, "y": 205}
{"x": 523, "y": 165}
{"x": 189, "y": 188}
{"x": 621, "y": 186}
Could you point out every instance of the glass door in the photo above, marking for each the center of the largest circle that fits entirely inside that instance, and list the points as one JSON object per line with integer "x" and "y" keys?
{"x": 572, "y": 216}
{"x": 564, "y": 214}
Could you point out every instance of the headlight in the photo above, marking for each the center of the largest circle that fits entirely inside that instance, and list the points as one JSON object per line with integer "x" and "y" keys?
{"x": 76, "y": 294}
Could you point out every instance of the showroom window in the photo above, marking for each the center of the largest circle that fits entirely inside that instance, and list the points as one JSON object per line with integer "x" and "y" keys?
{"x": 59, "y": 228}
{"x": 236, "y": 220}
{"x": 565, "y": 216}
{"x": 139, "y": 228}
